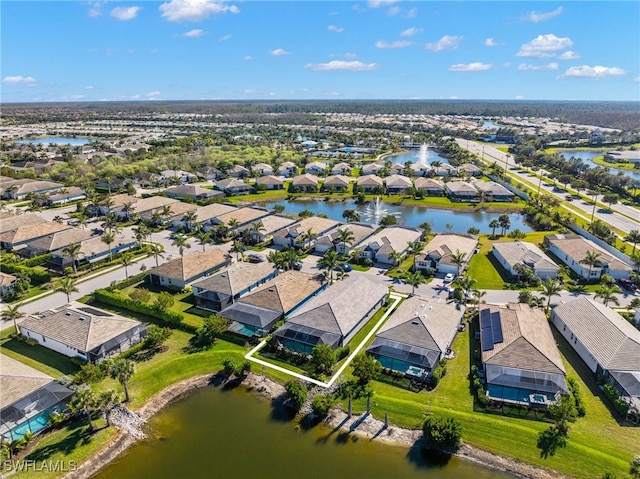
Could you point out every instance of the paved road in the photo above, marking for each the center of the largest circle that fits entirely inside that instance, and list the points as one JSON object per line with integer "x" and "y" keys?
{"x": 612, "y": 217}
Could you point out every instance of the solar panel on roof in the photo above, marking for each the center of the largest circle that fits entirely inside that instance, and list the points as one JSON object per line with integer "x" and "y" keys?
{"x": 486, "y": 336}
{"x": 496, "y": 326}
{"x": 485, "y": 318}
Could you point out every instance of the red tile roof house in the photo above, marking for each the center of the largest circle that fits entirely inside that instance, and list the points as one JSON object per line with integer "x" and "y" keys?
{"x": 181, "y": 272}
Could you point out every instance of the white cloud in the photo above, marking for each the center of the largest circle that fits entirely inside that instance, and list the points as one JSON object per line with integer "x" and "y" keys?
{"x": 411, "y": 13}
{"x": 544, "y": 46}
{"x": 520, "y": 97}
{"x": 224, "y": 38}
{"x": 249, "y": 91}
{"x": 19, "y": 80}
{"x": 393, "y": 11}
{"x": 278, "y": 52}
{"x": 89, "y": 87}
{"x": 380, "y": 3}
{"x": 333, "y": 28}
{"x": 95, "y": 9}
{"x": 350, "y": 55}
{"x": 470, "y": 67}
{"x": 598, "y": 71}
{"x": 195, "y": 33}
{"x": 339, "y": 65}
{"x": 194, "y": 10}
{"x": 539, "y": 68}
{"x": 536, "y": 17}
{"x": 394, "y": 44}
{"x": 490, "y": 42}
{"x": 409, "y": 32}
{"x": 125, "y": 13}
{"x": 247, "y": 58}
{"x": 636, "y": 79}
{"x": 153, "y": 94}
{"x": 569, "y": 55}
{"x": 447, "y": 42}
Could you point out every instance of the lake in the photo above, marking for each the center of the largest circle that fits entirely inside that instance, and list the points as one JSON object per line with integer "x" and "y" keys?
{"x": 407, "y": 215}
{"x": 56, "y": 140}
{"x": 234, "y": 434}
{"x": 424, "y": 155}
{"x": 588, "y": 156}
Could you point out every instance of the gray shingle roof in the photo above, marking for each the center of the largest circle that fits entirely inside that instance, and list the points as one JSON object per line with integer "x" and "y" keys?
{"x": 18, "y": 380}
{"x": 236, "y": 278}
{"x": 191, "y": 265}
{"x": 526, "y": 253}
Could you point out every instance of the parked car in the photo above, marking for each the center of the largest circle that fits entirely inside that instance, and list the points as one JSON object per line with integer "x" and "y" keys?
{"x": 345, "y": 267}
{"x": 627, "y": 284}
{"x": 449, "y": 277}
{"x": 256, "y": 258}
{"x": 568, "y": 198}
{"x": 297, "y": 265}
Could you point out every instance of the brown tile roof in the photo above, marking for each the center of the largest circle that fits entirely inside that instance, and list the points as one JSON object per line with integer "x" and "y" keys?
{"x": 206, "y": 213}
{"x": 24, "y": 233}
{"x": 577, "y": 248}
{"x": 285, "y": 291}
{"x": 444, "y": 245}
{"x": 60, "y": 239}
{"x": 337, "y": 180}
{"x": 18, "y": 380}
{"x": 145, "y": 205}
{"x": 236, "y": 277}
{"x": 369, "y": 180}
{"x": 243, "y": 215}
{"x": 191, "y": 265}
{"x": 10, "y": 221}
{"x": 306, "y": 179}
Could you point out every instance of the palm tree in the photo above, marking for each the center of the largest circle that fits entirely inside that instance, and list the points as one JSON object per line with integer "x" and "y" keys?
{"x": 351, "y": 215}
{"x": 122, "y": 370}
{"x": 591, "y": 259}
{"x": 414, "y": 248}
{"x": 345, "y": 238}
{"x": 67, "y": 286}
{"x": 127, "y": 208}
{"x": 140, "y": 232}
{"x": 426, "y": 228}
{"x": 84, "y": 401}
{"x": 290, "y": 256}
{"x": 156, "y": 250}
{"x": 329, "y": 262}
{"x": 108, "y": 238}
{"x": 126, "y": 261}
{"x": 204, "y": 237}
{"x": 493, "y": 225}
{"x": 73, "y": 252}
{"x": 106, "y": 400}
{"x": 465, "y": 284}
{"x": 189, "y": 218}
{"x": 181, "y": 242}
{"x": 233, "y": 225}
{"x": 608, "y": 294}
{"x": 11, "y": 313}
{"x": 505, "y": 223}
{"x": 396, "y": 257}
{"x": 255, "y": 229}
{"x": 110, "y": 223}
{"x": 458, "y": 258}
{"x": 238, "y": 248}
{"x": 550, "y": 287}
{"x": 307, "y": 237}
{"x": 415, "y": 279}
{"x": 634, "y": 238}
{"x": 166, "y": 211}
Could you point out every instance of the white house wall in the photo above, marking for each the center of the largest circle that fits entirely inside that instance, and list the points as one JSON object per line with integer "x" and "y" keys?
{"x": 575, "y": 343}
{"x": 53, "y": 344}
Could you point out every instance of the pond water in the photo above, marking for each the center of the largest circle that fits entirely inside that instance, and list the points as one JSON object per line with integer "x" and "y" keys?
{"x": 234, "y": 434}
{"x": 588, "y": 156}
{"x": 407, "y": 215}
{"x": 56, "y": 140}
{"x": 424, "y": 155}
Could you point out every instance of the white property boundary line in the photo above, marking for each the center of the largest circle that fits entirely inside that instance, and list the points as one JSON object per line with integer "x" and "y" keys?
{"x": 397, "y": 297}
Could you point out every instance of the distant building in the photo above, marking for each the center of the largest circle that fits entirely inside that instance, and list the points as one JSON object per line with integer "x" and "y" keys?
{"x": 519, "y": 252}
{"x": 306, "y": 182}
{"x": 183, "y": 271}
{"x": 461, "y": 191}
{"x": 192, "y": 192}
{"x": 387, "y": 243}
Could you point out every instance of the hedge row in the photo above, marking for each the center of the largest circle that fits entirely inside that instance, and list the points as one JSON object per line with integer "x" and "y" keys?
{"x": 36, "y": 276}
{"x": 613, "y": 396}
{"x": 121, "y": 301}
{"x": 131, "y": 280}
{"x": 36, "y": 260}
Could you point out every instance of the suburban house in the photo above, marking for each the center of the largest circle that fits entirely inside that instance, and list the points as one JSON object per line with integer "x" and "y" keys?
{"x": 238, "y": 171}
{"x": 65, "y": 195}
{"x": 192, "y": 192}
{"x": 387, "y": 244}
{"x": 146, "y": 207}
{"x": 91, "y": 250}
{"x": 243, "y": 217}
{"x": 445, "y": 169}
{"x": 572, "y": 249}
{"x": 306, "y": 182}
{"x": 607, "y": 343}
{"x": 316, "y": 168}
{"x": 631, "y": 156}
{"x": 494, "y": 191}
{"x": 370, "y": 183}
{"x": 461, "y": 191}
{"x": 234, "y": 186}
{"x": 397, "y": 184}
{"x": 270, "y": 225}
{"x": 177, "y": 176}
{"x": 288, "y": 169}
{"x": 341, "y": 169}
{"x": 262, "y": 169}
{"x": 430, "y": 186}
{"x": 360, "y": 232}
{"x": 396, "y": 169}
{"x": 336, "y": 183}
{"x": 177, "y": 211}
{"x": 7, "y": 282}
{"x": 79, "y": 331}
{"x": 115, "y": 204}
{"x": 439, "y": 254}
{"x": 206, "y": 214}
{"x": 256, "y": 313}
{"x": 220, "y": 290}
{"x": 527, "y": 254}
{"x": 18, "y": 237}
{"x": 417, "y": 336}
{"x": 209, "y": 173}
{"x": 55, "y": 241}
{"x": 181, "y": 272}
{"x": 469, "y": 169}
{"x": 521, "y": 362}
{"x": 420, "y": 169}
{"x": 333, "y": 317}
{"x": 370, "y": 169}
{"x": 292, "y": 235}
{"x": 270, "y": 182}
{"x": 10, "y": 221}
{"x": 28, "y": 398}
{"x": 20, "y": 189}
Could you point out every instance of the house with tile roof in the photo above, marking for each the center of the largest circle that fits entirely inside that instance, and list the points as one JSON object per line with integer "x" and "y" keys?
{"x": 256, "y": 313}
{"x": 270, "y": 182}
{"x": 360, "y": 232}
{"x": 334, "y": 316}
{"x": 206, "y": 214}
{"x": 85, "y": 332}
{"x": 181, "y": 272}
{"x": 91, "y": 250}
{"x": 341, "y": 168}
{"x": 7, "y": 282}
{"x": 461, "y": 191}
{"x": 371, "y": 169}
{"x": 315, "y": 168}
{"x": 192, "y": 192}
{"x": 306, "y": 182}
{"x": 417, "y": 336}
{"x": 439, "y": 253}
{"x": 234, "y": 186}
{"x": 288, "y": 169}
{"x": 219, "y": 290}
{"x": 607, "y": 343}
{"x": 370, "y": 183}
{"x": 271, "y": 224}
{"x": 528, "y": 254}
{"x": 57, "y": 240}
{"x": 28, "y": 398}
{"x": 18, "y": 237}
{"x": 291, "y": 235}
{"x": 336, "y": 183}
{"x": 520, "y": 358}
{"x": 387, "y": 243}
{"x": 262, "y": 169}
{"x": 494, "y": 191}
{"x": 430, "y": 186}
{"x": 397, "y": 184}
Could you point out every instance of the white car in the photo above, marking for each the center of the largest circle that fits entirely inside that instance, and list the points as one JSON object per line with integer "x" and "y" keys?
{"x": 449, "y": 277}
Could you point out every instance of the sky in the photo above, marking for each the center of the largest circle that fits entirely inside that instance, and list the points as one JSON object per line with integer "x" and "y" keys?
{"x": 327, "y": 50}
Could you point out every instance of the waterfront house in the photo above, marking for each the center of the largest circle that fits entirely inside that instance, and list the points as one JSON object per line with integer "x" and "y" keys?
{"x": 520, "y": 252}
{"x": 181, "y": 272}
{"x": 288, "y": 169}
{"x": 520, "y": 359}
{"x": 370, "y": 183}
{"x": 622, "y": 156}
{"x": 28, "y": 398}
{"x": 257, "y": 312}
{"x": 341, "y": 169}
{"x": 370, "y": 169}
{"x": 445, "y": 169}
{"x": 607, "y": 343}
{"x": 262, "y": 169}
{"x": 396, "y": 169}
{"x": 306, "y": 182}
{"x": 572, "y": 249}
{"x": 221, "y": 289}
{"x": 439, "y": 253}
{"x": 234, "y": 186}
{"x": 80, "y": 331}
{"x": 461, "y": 191}
{"x": 417, "y": 336}
{"x": 192, "y": 192}
{"x": 360, "y": 232}
{"x": 494, "y": 191}
{"x": 242, "y": 217}
{"x": 430, "y": 186}
{"x": 388, "y": 244}
{"x": 397, "y": 184}
{"x": 316, "y": 168}
{"x": 206, "y": 214}
{"x": 295, "y": 235}
{"x": 336, "y": 183}
{"x": 469, "y": 169}
{"x": 270, "y": 182}
{"x": 270, "y": 225}
{"x": 334, "y": 316}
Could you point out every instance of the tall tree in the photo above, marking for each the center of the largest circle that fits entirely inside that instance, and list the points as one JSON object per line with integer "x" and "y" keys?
{"x": 84, "y": 401}
{"x": 329, "y": 261}
{"x": 204, "y": 237}
{"x": 106, "y": 401}
{"x": 140, "y": 232}
{"x": 181, "y": 242}
{"x": 458, "y": 258}
{"x": 190, "y": 218}
{"x": 108, "y": 238}
{"x": 550, "y": 288}
{"x": 122, "y": 370}
{"x": 414, "y": 279}
{"x": 634, "y": 238}
{"x": 67, "y": 286}
{"x": 494, "y": 224}
{"x": 156, "y": 250}
{"x": 12, "y": 313}
{"x": 126, "y": 261}
{"x": 505, "y": 223}
{"x": 238, "y": 248}
{"x": 345, "y": 237}
{"x": 591, "y": 259}
{"x": 608, "y": 294}
{"x": 72, "y": 251}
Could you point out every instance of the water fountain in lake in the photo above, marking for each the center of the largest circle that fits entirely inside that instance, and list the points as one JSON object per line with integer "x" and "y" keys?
{"x": 422, "y": 154}
{"x": 377, "y": 210}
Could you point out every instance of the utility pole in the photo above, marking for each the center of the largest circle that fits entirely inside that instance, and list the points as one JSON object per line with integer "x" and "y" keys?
{"x": 595, "y": 194}
{"x": 539, "y": 182}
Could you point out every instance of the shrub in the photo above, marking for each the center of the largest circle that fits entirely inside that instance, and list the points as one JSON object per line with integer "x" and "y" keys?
{"x": 140, "y": 294}
{"x": 324, "y": 357}
{"x": 156, "y": 335}
{"x": 577, "y": 396}
{"x": 121, "y": 301}
{"x": 321, "y": 404}
{"x": 213, "y": 326}
{"x": 342, "y": 352}
{"x": 234, "y": 366}
{"x": 442, "y": 433}
{"x": 164, "y": 300}
{"x": 31, "y": 342}
{"x": 89, "y": 374}
{"x": 618, "y": 404}
{"x": 296, "y": 394}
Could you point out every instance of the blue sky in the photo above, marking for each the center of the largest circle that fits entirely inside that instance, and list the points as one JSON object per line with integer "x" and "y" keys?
{"x": 296, "y": 50}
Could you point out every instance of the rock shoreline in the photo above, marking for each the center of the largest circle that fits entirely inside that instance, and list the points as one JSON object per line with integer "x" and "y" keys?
{"x": 363, "y": 425}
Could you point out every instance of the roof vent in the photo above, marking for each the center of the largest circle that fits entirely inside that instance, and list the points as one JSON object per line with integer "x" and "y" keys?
{"x": 68, "y": 313}
{"x": 82, "y": 318}
{"x": 415, "y": 321}
{"x": 271, "y": 289}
